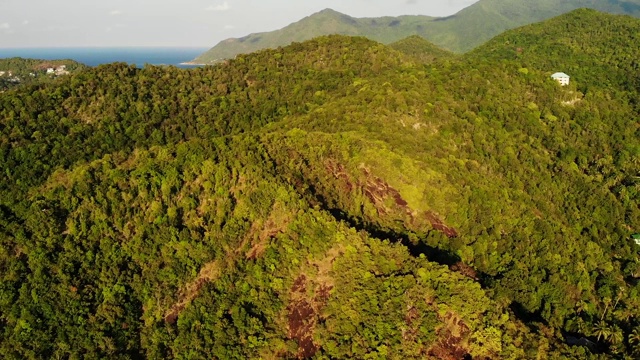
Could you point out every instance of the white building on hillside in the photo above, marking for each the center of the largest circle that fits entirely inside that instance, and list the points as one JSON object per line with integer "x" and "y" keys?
{"x": 561, "y": 77}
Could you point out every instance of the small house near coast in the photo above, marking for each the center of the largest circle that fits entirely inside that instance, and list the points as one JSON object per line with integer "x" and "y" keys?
{"x": 561, "y": 77}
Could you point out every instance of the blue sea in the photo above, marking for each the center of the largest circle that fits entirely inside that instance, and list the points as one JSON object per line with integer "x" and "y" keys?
{"x": 138, "y": 56}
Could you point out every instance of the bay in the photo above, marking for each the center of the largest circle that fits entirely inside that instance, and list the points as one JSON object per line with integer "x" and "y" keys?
{"x": 95, "y": 56}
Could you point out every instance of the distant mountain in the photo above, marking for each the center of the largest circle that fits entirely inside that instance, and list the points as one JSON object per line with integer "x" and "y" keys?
{"x": 461, "y": 32}
{"x": 326, "y": 22}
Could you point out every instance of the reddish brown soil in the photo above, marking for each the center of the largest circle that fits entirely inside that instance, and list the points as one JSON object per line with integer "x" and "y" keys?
{"x": 377, "y": 190}
{"x": 299, "y": 284}
{"x": 465, "y": 270}
{"x": 323, "y": 294}
{"x": 338, "y": 171}
{"x": 304, "y": 314}
{"x": 449, "y": 345}
{"x": 440, "y": 226}
{"x": 302, "y": 317}
{"x": 448, "y": 349}
{"x": 209, "y": 272}
{"x": 411, "y": 332}
{"x": 172, "y": 315}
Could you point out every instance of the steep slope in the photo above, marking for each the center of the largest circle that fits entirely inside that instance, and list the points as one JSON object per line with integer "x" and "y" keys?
{"x": 459, "y": 33}
{"x": 333, "y": 198}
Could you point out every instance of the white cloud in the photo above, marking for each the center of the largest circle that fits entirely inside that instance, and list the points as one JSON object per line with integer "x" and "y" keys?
{"x": 222, "y": 7}
{"x": 5, "y": 26}
{"x": 229, "y": 27}
{"x": 115, "y": 12}
{"x": 26, "y": 22}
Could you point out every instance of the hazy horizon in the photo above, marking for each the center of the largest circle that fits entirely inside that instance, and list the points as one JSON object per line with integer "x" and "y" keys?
{"x": 171, "y": 24}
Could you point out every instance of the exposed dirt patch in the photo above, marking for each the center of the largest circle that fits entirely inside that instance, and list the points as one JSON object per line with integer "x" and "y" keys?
{"x": 262, "y": 231}
{"x": 258, "y": 237}
{"x": 324, "y": 266}
{"x": 451, "y": 339}
{"x": 308, "y": 297}
{"x": 377, "y": 190}
{"x": 380, "y": 192}
{"x": 209, "y": 272}
{"x": 410, "y": 333}
{"x": 302, "y": 319}
{"x": 465, "y": 270}
{"x": 338, "y": 171}
{"x": 276, "y": 223}
{"x": 439, "y": 225}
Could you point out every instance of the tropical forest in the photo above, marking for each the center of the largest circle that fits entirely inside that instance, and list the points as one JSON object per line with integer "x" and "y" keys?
{"x": 331, "y": 199}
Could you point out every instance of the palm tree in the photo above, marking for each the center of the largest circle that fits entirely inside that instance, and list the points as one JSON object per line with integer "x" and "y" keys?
{"x": 581, "y": 306}
{"x": 622, "y": 314}
{"x": 616, "y": 336}
{"x": 607, "y": 302}
{"x": 634, "y": 340}
{"x": 601, "y": 329}
{"x": 634, "y": 337}
{"x": 580, "y": 324}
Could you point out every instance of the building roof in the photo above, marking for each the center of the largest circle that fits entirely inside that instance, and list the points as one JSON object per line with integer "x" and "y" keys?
{"x": 559, "y": 75}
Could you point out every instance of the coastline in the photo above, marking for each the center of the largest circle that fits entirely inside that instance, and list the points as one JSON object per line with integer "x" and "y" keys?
{"x": 191, "y": 63}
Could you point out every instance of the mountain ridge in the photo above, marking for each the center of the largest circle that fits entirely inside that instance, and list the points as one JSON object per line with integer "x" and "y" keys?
{"x": 459, "y": 32}
{"x": 324, "y": 22}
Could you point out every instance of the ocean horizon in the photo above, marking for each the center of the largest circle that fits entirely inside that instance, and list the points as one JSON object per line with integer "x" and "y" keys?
{"x": 94, "y": 56}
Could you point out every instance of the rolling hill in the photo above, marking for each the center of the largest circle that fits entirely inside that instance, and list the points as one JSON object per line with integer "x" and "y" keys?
{"x": 460, "y": 32}
{"x": 335, "y": 198}
{"x": 421, "y": 49}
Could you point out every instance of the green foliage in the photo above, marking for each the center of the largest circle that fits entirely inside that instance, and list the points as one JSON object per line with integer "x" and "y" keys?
{"x": 334, "y": 198}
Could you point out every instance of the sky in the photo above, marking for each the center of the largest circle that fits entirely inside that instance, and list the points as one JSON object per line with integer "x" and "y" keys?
{"x": 184, "y": 23}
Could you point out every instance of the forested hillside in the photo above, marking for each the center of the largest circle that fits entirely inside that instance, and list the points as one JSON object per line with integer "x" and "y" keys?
{"x": 335, "y": 198}
{"x": 484, "y": 19}
{"x": 460, "y": 32}
{"x": 18, "y": 71}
